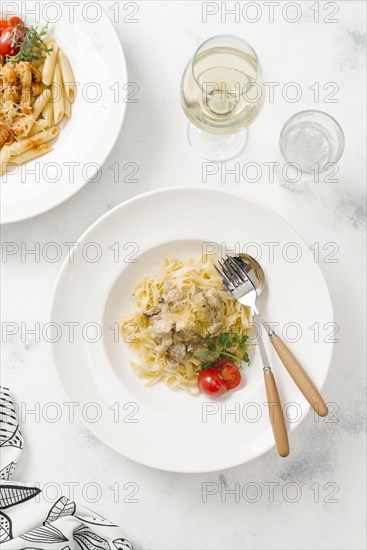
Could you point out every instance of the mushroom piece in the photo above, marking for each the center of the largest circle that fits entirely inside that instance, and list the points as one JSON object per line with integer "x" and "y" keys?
{"x": 177, "y": 352}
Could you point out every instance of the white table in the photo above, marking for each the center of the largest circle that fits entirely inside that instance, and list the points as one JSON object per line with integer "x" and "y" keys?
{"x": 326, "y": 464}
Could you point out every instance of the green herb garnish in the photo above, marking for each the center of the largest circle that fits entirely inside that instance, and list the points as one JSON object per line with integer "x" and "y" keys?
{"x": 31, "y": 45}
{"x": 225, "y": 346}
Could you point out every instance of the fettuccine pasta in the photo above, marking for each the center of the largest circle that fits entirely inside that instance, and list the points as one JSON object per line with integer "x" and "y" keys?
{"x": 179, "y": 313}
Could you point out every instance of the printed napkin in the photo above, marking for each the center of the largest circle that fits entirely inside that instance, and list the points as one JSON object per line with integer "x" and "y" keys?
{"x": 27, "y": 522}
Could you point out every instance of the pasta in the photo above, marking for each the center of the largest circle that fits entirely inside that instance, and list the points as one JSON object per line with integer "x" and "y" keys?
{"x": 67, "y": 76}
{"x": 10, "y": 153}
{"x": 201, "y": 312}
{"x": 49, "y": 65}
{"x": 67, "y": 106}
{"x": 48, "y": 113}
{"x": 57, "y": 95}
{"x": 30, "y": 155}
{"x": 35, "y": 96}
{"x": 38, "y": 126}
{"x": 40, "y": 103}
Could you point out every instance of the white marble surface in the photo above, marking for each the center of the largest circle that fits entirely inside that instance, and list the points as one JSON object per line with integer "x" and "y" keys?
{"x": 328, "y": 457}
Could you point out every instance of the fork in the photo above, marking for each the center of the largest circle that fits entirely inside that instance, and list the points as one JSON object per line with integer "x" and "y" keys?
{"x": 241, "y": 289}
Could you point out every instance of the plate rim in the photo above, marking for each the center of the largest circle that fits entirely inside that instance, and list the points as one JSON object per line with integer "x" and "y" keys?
{"x": 171, "y": 190}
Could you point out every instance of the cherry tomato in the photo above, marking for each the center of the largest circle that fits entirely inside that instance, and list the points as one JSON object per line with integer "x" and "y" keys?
{"x": 7, "y": 36}
{"x": 14, "y": 21}
{"x": 229, "y": 373}
{"x": 210, "y": 382}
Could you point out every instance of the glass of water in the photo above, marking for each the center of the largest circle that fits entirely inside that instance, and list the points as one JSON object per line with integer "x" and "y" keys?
{"x": 221, "y": 94}
{"x": 311, "y": 140}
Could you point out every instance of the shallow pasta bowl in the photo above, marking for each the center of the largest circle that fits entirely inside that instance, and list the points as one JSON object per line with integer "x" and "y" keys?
{"x": 85, "y": 141}
{"x": 157, "y": 426}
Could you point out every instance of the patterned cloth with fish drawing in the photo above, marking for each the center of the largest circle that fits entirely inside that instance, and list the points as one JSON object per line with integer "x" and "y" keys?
{"x": 28, "y": 522}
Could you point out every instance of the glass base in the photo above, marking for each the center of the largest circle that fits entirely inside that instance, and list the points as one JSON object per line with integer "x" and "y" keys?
{"x": 216, "y": 147}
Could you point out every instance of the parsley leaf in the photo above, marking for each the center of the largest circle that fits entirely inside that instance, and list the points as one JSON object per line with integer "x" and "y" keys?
{"x": 31, "y": 45}
{"x": 225, "y": 346}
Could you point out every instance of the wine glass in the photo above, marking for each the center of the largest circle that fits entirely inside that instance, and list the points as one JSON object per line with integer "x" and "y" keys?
{"x": 221, "y": 93}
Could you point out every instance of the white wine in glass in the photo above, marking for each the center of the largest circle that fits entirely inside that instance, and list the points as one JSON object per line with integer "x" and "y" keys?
{"x": 222, "y": 93}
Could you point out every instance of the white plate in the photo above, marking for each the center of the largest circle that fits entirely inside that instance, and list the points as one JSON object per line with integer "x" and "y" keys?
{"x": 170, "y": 432}
{"x": 85, "y": 140}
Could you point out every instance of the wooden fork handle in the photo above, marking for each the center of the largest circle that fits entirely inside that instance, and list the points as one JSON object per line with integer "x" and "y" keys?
{"x": 276, "y": 415}
{"x": 300, "y": 377}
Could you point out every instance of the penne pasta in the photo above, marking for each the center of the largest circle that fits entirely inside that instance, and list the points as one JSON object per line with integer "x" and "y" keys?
{"x": 46, "y": 135}
{"x": 48, "y": 113}
{"x": 49, "y": 65}
{"x": 22, "y": 126}
{"x": 30, "y": 155}
{"x": 20, "y": 147}
{"x": 67, "y": 76}
{"x": 67, "y": 106}
{"x": 4, "y": 159}
{"x": 57, "y": 91}
{"x": 41, "y": 103}
{"x": 39, "y": 126}
{"x": 35, "y": 94}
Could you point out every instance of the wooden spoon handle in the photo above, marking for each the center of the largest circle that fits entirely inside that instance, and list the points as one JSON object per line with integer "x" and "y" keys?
{"x": 300, "y": 377}
{"x": 276, "y": 415}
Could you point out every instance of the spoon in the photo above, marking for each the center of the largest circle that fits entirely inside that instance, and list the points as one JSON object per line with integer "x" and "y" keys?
{"x": 241, "y": 289}
{"x": 256, "y": 275}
